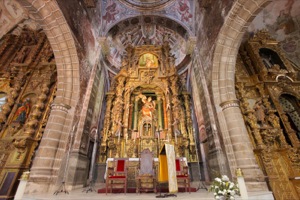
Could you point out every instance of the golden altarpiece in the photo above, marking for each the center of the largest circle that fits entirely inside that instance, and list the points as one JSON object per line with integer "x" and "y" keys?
{"x": 147, "y": 106}
{"x": 27, "y": 87}
{"x": 267, "y": 85}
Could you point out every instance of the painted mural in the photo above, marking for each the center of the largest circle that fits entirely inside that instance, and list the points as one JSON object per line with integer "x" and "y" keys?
{"x": 180, "y": 10}
{"x": 10, "y": 14}
{"x": 281, "y": 19}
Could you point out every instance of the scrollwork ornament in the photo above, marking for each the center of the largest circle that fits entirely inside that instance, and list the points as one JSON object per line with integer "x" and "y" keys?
{"x": 20, "y": 145}
{"x": 267, "y": 158}
{"x": 294, "y": 155}
{"x": 276, "y": 91}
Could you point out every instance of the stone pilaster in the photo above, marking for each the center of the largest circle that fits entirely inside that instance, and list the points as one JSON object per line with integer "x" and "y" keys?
{"x": 242, "y": 155}
{"x": 47, "y": 161}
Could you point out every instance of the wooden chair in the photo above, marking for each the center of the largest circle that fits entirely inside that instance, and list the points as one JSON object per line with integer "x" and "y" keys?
{"x": 146, "y": 174}
{"x": 117, "y": 174}
{"x": 182, "y": 173}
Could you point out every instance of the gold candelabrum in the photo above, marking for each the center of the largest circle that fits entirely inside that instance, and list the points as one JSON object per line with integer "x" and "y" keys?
{"x": 147, "y": 106}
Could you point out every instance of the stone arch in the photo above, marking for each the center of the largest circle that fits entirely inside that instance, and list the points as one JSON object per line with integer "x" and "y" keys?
{"x": 229, "y": 114}
{"x": 48, "y": 15}
{"x": 227, "y": 46}
{"x": 47, "y": 165}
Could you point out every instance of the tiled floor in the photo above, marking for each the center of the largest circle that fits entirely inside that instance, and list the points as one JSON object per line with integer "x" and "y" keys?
{"x": 81, "y": 194}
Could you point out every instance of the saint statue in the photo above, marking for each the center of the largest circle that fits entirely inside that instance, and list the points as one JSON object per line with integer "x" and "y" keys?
{"x": 260, "y": 112}
{"x": 148, "y": 107}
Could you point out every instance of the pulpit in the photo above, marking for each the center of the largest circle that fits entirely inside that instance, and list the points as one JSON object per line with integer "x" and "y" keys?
{"x": 167, "y": 172}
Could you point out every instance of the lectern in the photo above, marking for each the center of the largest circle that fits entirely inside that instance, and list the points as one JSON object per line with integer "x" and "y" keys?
{"x": 167, "y": 169}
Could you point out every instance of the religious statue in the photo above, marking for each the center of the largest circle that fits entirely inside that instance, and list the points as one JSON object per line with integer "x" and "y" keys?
{"x": 119, "y": 127}
{"x": 176, "y": 129}
{"x": 260, "y": 112}
{"x": 148, "y": 107}
{"x": 267, "y": 60}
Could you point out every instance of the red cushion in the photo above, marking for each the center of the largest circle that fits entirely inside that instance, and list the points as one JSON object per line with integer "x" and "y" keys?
{"x": 117, "y": 177}
{"x": 120, "y": 165}
{"x": 177, "y": 165}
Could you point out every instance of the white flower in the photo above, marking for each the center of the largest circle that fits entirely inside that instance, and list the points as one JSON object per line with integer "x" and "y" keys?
{"x": 217, "y": 197}
{"x": 218, "y": 180}
{"x": 231, "y": 197}
{"x": 225, "y": 178}
{"x": 231, "y": 185}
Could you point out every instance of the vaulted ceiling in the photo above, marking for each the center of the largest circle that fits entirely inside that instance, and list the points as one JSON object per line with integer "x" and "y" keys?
{"x": 150, "y": 21}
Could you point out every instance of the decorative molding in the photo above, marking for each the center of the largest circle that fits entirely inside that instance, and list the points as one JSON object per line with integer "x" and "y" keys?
{"x": 229, "y": 104}
{"x": 60, "y": 106}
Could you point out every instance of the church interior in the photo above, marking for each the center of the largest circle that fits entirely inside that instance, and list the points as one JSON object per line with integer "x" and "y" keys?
{"x": 86, "y": 83}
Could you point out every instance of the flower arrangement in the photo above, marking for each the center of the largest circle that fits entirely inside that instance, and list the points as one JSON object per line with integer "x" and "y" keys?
{"x": 223, "y": 188}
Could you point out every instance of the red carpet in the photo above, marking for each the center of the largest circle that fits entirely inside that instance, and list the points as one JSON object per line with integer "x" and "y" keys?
{"x": 133, "y": 190}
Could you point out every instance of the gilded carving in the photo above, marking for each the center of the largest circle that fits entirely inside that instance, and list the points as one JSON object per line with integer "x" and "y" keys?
{"x": 274, "y": 139}
{"x": 29, "y": 80}
{"x": 147, "y": 108}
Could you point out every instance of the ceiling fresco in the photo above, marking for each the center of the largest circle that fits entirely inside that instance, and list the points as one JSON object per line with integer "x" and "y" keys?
{"x": 10, "y": 14}
{"x": 282, "y": 20}
{"x": 146, "y": 30}
{"x": 147, "y": 4}
{"x": 179, "y": 10}
{"x": 132, "y": 21}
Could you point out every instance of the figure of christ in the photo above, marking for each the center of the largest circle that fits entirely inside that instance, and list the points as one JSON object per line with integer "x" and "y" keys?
{"x": 176, "y": 129}
{"x": 119, "y": 128}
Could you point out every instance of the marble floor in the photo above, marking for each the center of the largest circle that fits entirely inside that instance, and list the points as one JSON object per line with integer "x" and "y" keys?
{"x": 80, "y": 194}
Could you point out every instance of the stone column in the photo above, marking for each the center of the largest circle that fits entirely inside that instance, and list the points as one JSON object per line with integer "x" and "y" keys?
{"x": 188, "y": 117}
{"x": 47, "y": 162}
{"x": 135, "y": 114}
{"x": 238, "y": 139}
{"x": 159, "y": 107}
{"x": 107, "y": 118}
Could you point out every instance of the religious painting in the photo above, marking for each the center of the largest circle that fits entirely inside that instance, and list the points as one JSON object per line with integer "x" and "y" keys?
{"x": 148, "y": 60}
{"x": 184, "y": 10}
{"x": 13, "y": 9}
{"x": 280, "y": 19}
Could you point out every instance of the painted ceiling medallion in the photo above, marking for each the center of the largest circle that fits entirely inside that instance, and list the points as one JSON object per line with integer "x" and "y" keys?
{"x": 147, "y": 4}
